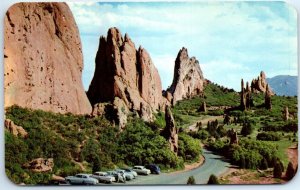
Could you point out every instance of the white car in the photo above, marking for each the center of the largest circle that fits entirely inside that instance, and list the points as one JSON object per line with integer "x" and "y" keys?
{"x": 130, "y": 171}
{"x": 82, "y": 179}
{"x": 128, "y": 176}
{"x": 141, "y": 170}
{"x": 103, "y": 177}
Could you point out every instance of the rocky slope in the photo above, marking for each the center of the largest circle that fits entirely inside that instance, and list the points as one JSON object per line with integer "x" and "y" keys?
{"x": 43, "y": 59}
{"x": 284, "y": 85}
{"x": 126, "y": 73}
{"x": 188, "y": 78}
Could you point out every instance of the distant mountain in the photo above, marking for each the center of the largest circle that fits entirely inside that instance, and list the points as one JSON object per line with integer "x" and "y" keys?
{"x": 284, "y": 85}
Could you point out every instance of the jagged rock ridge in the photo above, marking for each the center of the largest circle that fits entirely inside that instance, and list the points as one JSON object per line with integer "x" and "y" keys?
{"x": 260, "y": 84}
{"x": 124, "y": 72}
{"x": 188, "y": 78}
{"x": 43, "y": 59}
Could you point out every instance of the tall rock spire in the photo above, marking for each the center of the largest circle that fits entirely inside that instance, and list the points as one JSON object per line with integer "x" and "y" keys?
{"x": 127, "y": 73}
{"x": 188, "y": 78}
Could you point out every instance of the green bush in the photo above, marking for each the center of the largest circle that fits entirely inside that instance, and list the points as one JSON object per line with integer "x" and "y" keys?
{"x": 188, "y": 148}
{"x": 191, "y": 181}
{"x": 213, "y": 180}
{"x": 268, "y": 136}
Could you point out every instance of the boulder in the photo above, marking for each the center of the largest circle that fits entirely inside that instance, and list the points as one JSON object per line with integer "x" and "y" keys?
{"x": 188, "y": 80}
{"x": 40, "y": 165}
{"x": 124, "y": 72}
{"x": 43, "y": 59}
{"x": 170, "y": 132}
{"x": 15, "y": 129}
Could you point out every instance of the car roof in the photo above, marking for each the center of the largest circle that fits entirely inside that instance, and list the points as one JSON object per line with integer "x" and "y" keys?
{"x": 138, "y": 166}
{"x": 100, "y": 172}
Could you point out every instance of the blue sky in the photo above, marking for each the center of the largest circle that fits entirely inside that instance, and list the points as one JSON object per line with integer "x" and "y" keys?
{"x": 231, "y": 40}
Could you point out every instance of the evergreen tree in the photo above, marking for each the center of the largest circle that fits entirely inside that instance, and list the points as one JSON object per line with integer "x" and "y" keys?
{"x": 247, "y": 129}
{"x": 191, "y": 180}
{"x": 277, "y": 172}
{"x": 213, "y": 180}
{"x": 263, "y": 164}
{"x": 96, "y": 165}
{"x": 242, "y": 162}
{"x": 290, "y": 171}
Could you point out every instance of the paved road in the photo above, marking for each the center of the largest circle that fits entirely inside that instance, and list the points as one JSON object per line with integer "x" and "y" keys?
{"x": 213, "y": 164}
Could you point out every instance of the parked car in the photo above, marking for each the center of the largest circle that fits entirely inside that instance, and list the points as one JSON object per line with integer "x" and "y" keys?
{"x": 141, "y": 170}
{"x": 128, "y": 170}
{"x": 128, "y": 176}
{"x": 118, "y": 176}
{"x": 57, "y": 182}
{"x": 84, "y": 179}
{"x": 103, "y": 177}
{"x": 153, "y": 168}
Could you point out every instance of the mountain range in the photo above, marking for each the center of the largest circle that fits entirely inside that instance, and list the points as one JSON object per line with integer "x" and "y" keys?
{"x": 284, "y": 85}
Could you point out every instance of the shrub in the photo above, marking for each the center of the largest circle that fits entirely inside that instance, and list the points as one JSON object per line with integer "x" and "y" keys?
{"x": 263, "y": 164}
{"x": 191, "y": 181}
{"x": 213, "y": 180}
{"x": 268, "y": 136}
{"x": 246, "y": 129}
{"x": 189, "y": 148}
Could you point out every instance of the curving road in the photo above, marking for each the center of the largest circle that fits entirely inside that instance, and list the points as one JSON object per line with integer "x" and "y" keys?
{"x": 214, "y": 164}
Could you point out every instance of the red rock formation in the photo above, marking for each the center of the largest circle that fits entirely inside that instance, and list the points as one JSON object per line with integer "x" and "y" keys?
{"x": 124, "y": 72}
{"x": 268, "y": 101}
{"x": 170, "y": 132}
{"x": 43, "y": 59}
{"x": 260, "y": 84}
{"x": 188, "y": 79}
{"x": 40, "y": 165}
{"x": 15, "y": 129}
{"x": 246, "y": 98}
{"x": 286, "y": 114}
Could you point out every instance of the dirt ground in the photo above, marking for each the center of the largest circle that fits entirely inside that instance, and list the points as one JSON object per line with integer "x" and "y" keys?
{"x": 242, "y": 176}
{"x": 292, "y": 153}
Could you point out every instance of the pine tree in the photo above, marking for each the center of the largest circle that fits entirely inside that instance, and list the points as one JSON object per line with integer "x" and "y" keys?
{"x": 242, "y": 162}
{"x": 277, "y": 172}
{"x": 213, "y": 180}
{"x": 290, "y": 171}
{"x": 263, "y": 164}
{"x": 96, "y": 165}
{"x": 191, "y": 181}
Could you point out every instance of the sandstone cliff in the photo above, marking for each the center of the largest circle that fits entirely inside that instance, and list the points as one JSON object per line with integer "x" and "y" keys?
{"x": 43, "y": 59}
{"x": 188, "y": 79}
{"x": 124, "y": 72}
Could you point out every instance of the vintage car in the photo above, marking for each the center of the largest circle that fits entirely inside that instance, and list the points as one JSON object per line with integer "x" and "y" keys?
{"x": 84, "y": 179}
{"x": 141, "y": 170}
{"x": 103, "y": 177}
